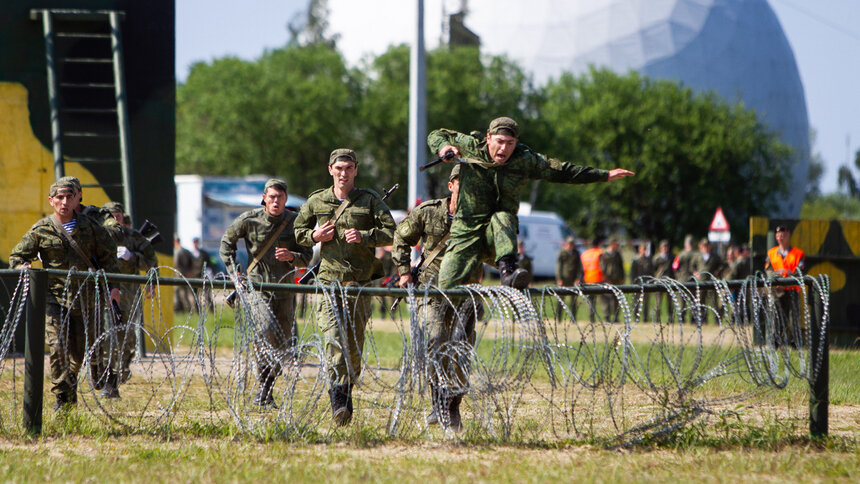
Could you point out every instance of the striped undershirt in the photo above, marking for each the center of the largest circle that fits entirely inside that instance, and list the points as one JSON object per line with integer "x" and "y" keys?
{"x": 70, "y": 225}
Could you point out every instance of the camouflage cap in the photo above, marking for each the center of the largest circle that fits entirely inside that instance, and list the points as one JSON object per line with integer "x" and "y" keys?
{"x": 66, "y": 182}
{"x": 342, "y": 154}
{"x": 278, "y": 183}
{"x": 455, "y": 173}
{"x": 570, "y": 240}
{"x": 114, "y": 207}
{"x": 504, "y": 125}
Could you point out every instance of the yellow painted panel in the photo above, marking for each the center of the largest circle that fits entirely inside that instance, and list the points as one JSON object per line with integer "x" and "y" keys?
{"x": 808, "y": 235}
{"x": 758, "y": 226}
{"x": 837, "y": 276}
{"x": 26, "y": 173}
{"x": 851, "y": 229}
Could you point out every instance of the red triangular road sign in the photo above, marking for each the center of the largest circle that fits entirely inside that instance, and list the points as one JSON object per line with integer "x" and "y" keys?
{"x": 719, "y": 223}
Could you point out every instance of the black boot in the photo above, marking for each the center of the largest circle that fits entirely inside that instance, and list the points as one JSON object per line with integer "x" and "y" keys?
{"x": 98, "y": 374}
{"x": 264, "y": 396}
{"x": 455, "y": 423}
{"x": 66, "y": 400}
{"x": 341, "y": 404}
{"x": 111, "y": 386}
{"x": 511, "y": 274}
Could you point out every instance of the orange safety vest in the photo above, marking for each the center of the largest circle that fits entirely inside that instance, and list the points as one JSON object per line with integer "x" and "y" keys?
{"x": 785, "y": 266}
{"x": 591, "y": 265}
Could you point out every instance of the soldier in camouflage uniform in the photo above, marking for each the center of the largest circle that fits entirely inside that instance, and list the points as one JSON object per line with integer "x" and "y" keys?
{"x": 662, "y": 264}
{"x": 134, "y": 254}
{"x": 277, "y": 264}
{"x": 494, "y": 173}
{"x": 524, "y": 261}
{"x": 612, "y": 267}
{"x": 642, "y": 267}
{"x": 568, "y": 271}
{"x": 428, "y": 224}
{"x": 69, "y": 316}
{"x": 684, "y": 267}
{"x": 350, "y": 222}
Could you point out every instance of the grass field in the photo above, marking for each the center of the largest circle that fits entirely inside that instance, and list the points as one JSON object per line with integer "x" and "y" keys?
{"x": 770, "y": 443}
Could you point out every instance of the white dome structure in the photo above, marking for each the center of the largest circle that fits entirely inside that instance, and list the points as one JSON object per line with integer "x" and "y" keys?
{"x": 736, "y": 48}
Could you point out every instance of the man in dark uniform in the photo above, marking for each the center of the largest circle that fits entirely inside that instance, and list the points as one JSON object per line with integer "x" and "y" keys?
{"x": 183, "y": 261}
{"x": 662, "y": 264}
{"x": 65, "y": 240}
{"x": 612, "y": 266}
{"x": 641, "y": 268}
{"x": 274, "y": 254}
{"x": 568, "y": 270}
{"x": 524, "y": 260}
{"x": 350, "y": 222}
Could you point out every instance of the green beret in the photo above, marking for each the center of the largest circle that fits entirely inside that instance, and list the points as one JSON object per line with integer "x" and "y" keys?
{"x": 342, "y": 154}
{"x": 455, "y": 173}
{"x": 66, "y": 182}
{"x": 114, "y": 207}
{"x": 504, "y": 125}
{"x": 278, "y": 183}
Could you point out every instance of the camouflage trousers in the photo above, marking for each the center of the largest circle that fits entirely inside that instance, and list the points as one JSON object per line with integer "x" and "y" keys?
{"x": 119, "y": 345}
{"x": 68, "y": 334}
{"x": 342, "y": 320}
{"x": 473, "y": 244}
{"x": 276, "y": 334}
{"x": 450, "y": 342}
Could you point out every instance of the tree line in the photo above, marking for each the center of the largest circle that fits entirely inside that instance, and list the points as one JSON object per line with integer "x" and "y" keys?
{"x": 283, "y": 113}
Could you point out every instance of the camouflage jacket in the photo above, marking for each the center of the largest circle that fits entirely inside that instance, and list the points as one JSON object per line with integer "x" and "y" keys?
{"x": 142, "y": 254}
{"x": 339, "y": 260}
{"x": 426, "y": 224}
{"x": 254, "y": 227}
{"x": 568, "y": 266}
{"x": 662, "y": 265}
{"x": 641, "y": 267}
{"x": 713, "y": 265}
{"x": 45, "y": 242}
{"x": 740, "y": 269}
{"x": 612, "y": 267}
{"x": 686, "y": 265}
{"x": 104, "y": 218}
{"x": 487, "y": 187}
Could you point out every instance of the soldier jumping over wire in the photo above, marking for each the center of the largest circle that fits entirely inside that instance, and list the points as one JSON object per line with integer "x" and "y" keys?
{"x": 493, "y": 173}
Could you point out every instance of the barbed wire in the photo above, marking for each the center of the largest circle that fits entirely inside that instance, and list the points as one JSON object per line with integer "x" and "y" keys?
{"x": 540, "y": 365}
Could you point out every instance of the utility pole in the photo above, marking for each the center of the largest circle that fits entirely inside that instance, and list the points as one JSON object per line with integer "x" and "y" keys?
{"x": 417, "y": 111}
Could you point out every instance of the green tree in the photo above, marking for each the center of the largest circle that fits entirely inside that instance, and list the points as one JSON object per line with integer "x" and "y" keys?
{"x": 464, "y": 92}
{"x": 691, "y": 153}
{"x": 837, "y": 206}
{"x": 280, "y": 115}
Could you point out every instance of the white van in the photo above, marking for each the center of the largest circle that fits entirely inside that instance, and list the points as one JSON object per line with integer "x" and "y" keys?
{"x": 543, "y": 232}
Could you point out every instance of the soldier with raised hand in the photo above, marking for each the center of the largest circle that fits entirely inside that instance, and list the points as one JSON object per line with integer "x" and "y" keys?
{"x": 350, "y": 223}
{"x": 274, "y": 254}
{"x": 494, "y": 174}
{"x": 134, "y": 254}
{"x": 66, "y": 240}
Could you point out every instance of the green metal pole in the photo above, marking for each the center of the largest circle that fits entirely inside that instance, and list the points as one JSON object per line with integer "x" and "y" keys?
{"x": 819, "y": 386}
{"x": 53, "y": 97}
{"x": 34, "y": 352}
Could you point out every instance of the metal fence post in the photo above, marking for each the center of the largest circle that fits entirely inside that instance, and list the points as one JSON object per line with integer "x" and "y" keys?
{"x": 34, "y": 351}
{"x": 819, "y": 386}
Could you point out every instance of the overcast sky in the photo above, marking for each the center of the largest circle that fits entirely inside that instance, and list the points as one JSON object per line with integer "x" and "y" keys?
{"x": 825, "y": 36}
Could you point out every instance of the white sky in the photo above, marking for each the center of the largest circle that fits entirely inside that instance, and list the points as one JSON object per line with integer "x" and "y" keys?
{"x": 825, "y": 36}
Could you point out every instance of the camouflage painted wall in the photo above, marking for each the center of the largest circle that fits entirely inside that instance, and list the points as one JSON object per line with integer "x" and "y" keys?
{"x": 25, "y": 133}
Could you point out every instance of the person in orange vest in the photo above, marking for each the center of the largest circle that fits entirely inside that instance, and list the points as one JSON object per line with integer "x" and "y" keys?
{"x": 592, "y": 274}
{"x": 785, "y": 261}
